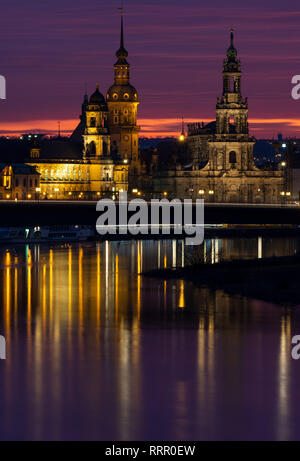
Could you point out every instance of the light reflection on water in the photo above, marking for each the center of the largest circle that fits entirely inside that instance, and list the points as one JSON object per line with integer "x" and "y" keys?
{"x": 97, "y": 351}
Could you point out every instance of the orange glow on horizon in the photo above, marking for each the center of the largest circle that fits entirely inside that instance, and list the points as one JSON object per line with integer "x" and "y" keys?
{"x": 150, "y": 127}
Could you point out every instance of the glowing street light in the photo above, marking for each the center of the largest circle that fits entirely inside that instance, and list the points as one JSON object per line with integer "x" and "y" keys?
{"x": 182, "y": 135}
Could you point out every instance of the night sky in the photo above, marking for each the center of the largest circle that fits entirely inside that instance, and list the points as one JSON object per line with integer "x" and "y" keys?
{"x": 50, "y": 50}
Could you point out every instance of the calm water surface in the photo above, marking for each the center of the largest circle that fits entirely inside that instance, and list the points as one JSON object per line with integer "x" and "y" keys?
{"x": 96, "y": 351}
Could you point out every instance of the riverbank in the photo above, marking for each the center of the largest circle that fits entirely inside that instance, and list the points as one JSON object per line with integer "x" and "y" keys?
{"x": 271, "y": 279}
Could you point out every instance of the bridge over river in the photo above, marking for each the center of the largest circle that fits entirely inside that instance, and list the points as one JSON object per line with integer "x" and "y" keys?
{"x": 33, "y": 213}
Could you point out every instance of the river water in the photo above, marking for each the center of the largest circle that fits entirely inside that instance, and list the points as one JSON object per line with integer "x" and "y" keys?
{"x": 96, "y": 351}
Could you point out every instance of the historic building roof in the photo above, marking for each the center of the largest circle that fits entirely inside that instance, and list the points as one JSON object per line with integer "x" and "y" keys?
{"x": 98, "y": 99}
{"x": 123, "y": 93}
{"x": 63, "y": 149}
{"x": 20, "y": 168}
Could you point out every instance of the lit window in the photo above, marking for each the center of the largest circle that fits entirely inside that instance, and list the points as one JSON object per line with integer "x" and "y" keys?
{"x": 115, "y": 96}
{"x": 126, "y": 96}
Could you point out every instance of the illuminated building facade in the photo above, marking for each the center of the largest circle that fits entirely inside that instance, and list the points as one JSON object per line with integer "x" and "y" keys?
{"x": 68, "y": 172}
{"x": 222, "y": 167}
{"x": 102, "y": 154}
{"x": 19, "y": 181}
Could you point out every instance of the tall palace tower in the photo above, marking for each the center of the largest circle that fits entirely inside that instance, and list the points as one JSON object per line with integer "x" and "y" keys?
{"x": 122, "y": 101}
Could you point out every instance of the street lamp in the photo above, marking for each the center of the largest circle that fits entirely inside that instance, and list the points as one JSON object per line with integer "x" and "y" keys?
{"x": 182, "y": 135}
{"x": 38, "y": 190}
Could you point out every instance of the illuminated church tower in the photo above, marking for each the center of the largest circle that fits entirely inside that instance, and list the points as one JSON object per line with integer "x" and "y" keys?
{"x": 122, "y": 101}
{"x": 231, "y": 149}
{"x": 96, "y": 136}
{"x": 232, "y": 108}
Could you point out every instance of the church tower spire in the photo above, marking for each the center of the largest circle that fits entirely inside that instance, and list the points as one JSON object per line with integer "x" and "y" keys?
{"x": 231, "y": 149}
{"x": 122, "y": 100}
{"x": 122, "y": 67}
{"x": 122, "y": 35}
{"x": 232, "y": 109}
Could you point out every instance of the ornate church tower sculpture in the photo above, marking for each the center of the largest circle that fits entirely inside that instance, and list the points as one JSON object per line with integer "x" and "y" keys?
{"x": 232, "y": 148}
{"x": 122, "y": 101}
{"x": 232, "y": 108}
{"x": 96, "y": 136}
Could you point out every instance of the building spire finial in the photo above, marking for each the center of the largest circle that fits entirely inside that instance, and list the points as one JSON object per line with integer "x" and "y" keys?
{"x": 231, "y": 37}
{"x": 122, "y": 53}
{"x": 122, "y": 28}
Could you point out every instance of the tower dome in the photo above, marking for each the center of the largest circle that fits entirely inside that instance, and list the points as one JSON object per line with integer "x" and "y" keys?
{"x": 98, "y": 98}
{"x": 122, "y": 93}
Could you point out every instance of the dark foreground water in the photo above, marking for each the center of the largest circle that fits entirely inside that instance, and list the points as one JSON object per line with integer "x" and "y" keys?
{"x": 96, "y": 351}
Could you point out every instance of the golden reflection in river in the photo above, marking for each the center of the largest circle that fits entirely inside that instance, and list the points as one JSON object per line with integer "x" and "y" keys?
{"x": 7, "y": 290}
{"x": 51, "y": 285}
{"x": 206, "y": 356}
{"x": 116, "y": 288}
{"x": 181, "y": 302}
{"x": 70, "y": 288}
{"x": 139, "y": 271}
{"x": 62, "y": 296}
{"x": 28, "y": 272}
{"x": 44, "y": 294}
{"x": 284, "y": 372}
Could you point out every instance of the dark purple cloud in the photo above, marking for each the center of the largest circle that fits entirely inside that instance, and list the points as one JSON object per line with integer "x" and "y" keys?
{"x": 48, "y": 51}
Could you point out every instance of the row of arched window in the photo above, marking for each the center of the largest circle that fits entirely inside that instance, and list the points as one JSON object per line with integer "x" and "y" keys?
{"x": 69, "y": 175}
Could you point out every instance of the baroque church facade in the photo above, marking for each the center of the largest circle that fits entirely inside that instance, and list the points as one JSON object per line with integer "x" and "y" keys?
{"x": 222, "y": 167}
{"x": 101, "y": 157}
